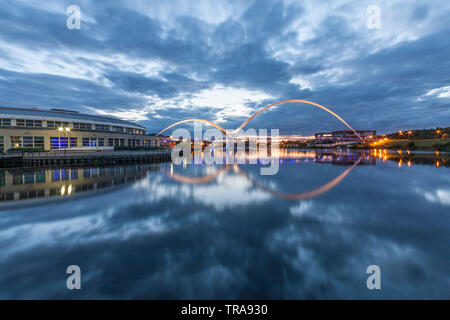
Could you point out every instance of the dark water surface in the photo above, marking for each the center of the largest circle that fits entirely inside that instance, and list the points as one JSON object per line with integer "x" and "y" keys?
{"x": 198, "y": 231}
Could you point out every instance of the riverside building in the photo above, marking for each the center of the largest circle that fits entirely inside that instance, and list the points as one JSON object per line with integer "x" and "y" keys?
{"x": 54, "y": 129}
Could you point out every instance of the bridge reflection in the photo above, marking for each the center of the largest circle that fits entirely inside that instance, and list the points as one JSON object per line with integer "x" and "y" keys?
{"x": 346, "y": 157}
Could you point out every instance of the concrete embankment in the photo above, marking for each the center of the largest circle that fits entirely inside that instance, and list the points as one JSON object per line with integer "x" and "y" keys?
{"x": 78, "y": 158}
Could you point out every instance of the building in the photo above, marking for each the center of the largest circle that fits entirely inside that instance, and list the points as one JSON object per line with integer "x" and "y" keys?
{"x": 164, "y": 141}
{"x": 323, "y": 136}
{"x": 343, "y": 137}
{"x": 350, "y": 136}
{"x": 54, "y": 129}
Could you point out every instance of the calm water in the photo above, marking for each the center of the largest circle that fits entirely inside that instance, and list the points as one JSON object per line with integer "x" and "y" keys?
{"x": 197, "y": 231}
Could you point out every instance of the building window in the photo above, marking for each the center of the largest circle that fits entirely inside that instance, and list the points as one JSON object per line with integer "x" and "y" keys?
{"x": 27, "y": 142}
{"x": 101, "y": 127}
{"x": 82, "y": 126}
{"x": 5, "y": 122}
{"x": 73, "y": 142}
{"x": 91, "y": 142}
{"x": 40, "y": 176}
{"x": 50, "y": 124}
{"x": 59, "y": 142}
{"x": 16, "y": 142}
{"x": 54, "y": 143}
{"x": 111, "y": 142}
{"x": 2, "y": 144}
{"x": 122, "y": 142}
{"x": 20, "y": 122}
{"x": 38, "y": 142}
{"x": 101, "y": 142}
{"x": 37, "y": 123}
{"x": 63, "y": 142}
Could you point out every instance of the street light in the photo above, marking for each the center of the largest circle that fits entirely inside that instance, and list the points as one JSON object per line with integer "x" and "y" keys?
{"x": 64, "y": 129}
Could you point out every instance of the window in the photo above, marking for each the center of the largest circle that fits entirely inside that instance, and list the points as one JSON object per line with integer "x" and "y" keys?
{"x": 59, "y": 142}
{"x": 2, "y": 144}
{"x": 63, "y": 142}
{"x": 40, "y": 176}
{"x": 101, "y": 127}
{"x": 111, "y": 142}
{"x": 38, "y": 142}
{"x": 82, "y": 126}
{"x": 133, "y": 142}
{"x": 91, "y": 142}
{"x": 28, "y": 177}
{"x": 30, "y": 123}
{"x": 27, "y": 142}
{"x": 16, "y": 142}
{"x": 5, "y": 122}
{"x": 54, "y": 143}
{"x": 50, "y": 124}
{"x": 17, "y": 179}
{"x": 37, "y": 123}
{"x": 56, "y": 175}
{"x": 73, "y": 142}
{"x": 122, "y": 142}
{"x": 20, "y": 122}
{"x": 118, "y": 129}
{"x": 101, "y": 142}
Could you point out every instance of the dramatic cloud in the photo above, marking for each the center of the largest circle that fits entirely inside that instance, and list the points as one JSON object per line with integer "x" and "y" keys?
{"x": 159, "y": 62}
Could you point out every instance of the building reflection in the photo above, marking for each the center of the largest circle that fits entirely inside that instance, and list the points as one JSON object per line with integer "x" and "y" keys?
{"x": 20, "y": 184}
{"x": 407, "y": 158}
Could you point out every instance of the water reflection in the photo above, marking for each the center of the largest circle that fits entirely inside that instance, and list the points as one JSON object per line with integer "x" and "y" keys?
{"x": 34, "y": 184}
{"x": 228, "y": 237}
{"x": 18, "y": 184}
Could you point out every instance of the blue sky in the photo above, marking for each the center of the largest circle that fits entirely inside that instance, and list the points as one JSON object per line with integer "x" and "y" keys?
{"x": 157, "y": 62}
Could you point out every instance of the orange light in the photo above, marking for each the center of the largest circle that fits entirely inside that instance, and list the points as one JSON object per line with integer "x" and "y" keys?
{"x": 409, "y": 163}
{"x": 400, "y": 163}
{"x": 437, "y": 164}
{"x": 437, "y": 152}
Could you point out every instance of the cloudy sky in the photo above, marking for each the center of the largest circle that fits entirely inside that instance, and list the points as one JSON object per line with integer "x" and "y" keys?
{"x": 157, "y": 62}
